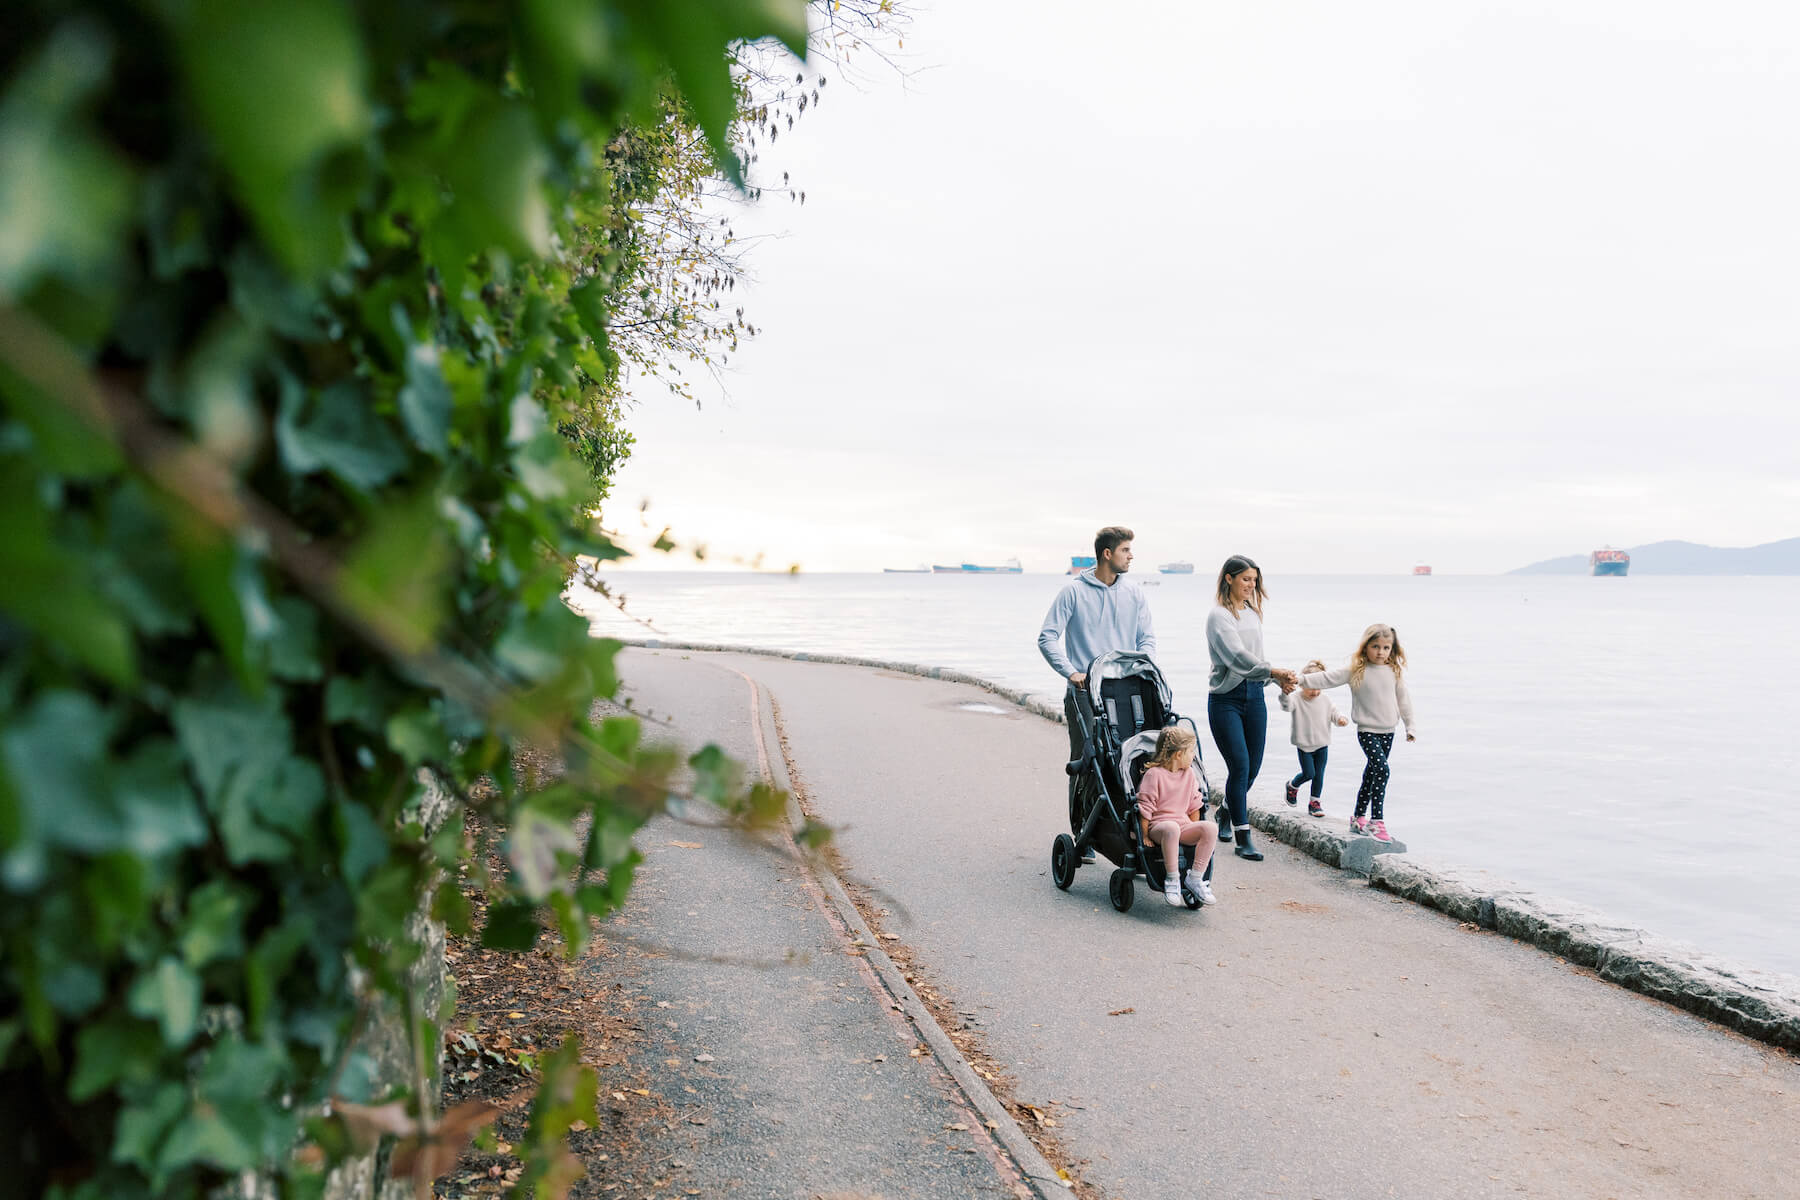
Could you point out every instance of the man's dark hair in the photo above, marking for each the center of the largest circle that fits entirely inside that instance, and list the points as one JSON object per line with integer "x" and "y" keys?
{"x": 1111, "y": 538}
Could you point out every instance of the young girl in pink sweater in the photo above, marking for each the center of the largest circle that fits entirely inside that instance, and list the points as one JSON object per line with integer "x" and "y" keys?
{"x": 1169, "y": 802}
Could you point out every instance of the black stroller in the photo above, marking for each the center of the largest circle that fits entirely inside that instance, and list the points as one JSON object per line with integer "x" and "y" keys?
{"x": 1123, "y": 708}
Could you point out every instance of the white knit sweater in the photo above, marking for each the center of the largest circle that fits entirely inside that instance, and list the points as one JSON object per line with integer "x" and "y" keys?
{"x": 1313, "y": 720}
{"x": 1378, "y": 704}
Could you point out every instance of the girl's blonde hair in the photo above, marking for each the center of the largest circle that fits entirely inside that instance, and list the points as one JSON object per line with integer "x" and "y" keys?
{"x": 1234, "y": 566}
{"x": 1169, "y": 743}
{"x": 1359, "y": 661}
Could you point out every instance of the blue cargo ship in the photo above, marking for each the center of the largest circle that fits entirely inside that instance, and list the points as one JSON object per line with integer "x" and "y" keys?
{"x": 1009, "y": 567}
{"x": 1607, "y": 561}
{"x": 1080, "y": 562}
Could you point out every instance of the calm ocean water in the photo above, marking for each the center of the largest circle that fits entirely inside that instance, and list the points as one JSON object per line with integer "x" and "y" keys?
{"x": 1630, "y": 744}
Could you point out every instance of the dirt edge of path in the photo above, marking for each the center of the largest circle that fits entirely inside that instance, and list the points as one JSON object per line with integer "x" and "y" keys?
{"x": 1035, "y": 1123}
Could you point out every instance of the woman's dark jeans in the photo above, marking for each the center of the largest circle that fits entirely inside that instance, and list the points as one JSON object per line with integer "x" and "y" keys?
{"x": 1240, "y": 728}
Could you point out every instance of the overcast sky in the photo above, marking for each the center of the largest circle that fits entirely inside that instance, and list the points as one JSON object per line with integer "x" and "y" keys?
{"x": 1339, "y": 286}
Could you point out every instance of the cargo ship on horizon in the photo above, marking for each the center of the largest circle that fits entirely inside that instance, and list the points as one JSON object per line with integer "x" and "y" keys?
{"x": 1081, "y": 562}
{"x": 1177, "y": 568}
{"x": 1009, "y": 567}
{"x": 1607, "y": 561}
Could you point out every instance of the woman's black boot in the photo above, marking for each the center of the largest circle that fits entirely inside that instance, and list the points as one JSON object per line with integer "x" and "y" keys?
{"x": 1224, "y": 818}
{"x": 1246, "y": 848}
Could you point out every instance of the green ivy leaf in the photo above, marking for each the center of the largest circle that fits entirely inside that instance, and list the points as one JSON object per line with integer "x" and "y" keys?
{"x": 289, "y": 90}
{"x": 232, "y": 1125}
{"x": 511, "y": 925}
{"x": 59, "y": 602}
{"x": 496, "y": 176}
{"x": 263, "y": 798}
{"x": 65, "y": 196}
{"x": 395, "y": 574}
{"x": 169, "y": 994}
{"x": 336, "y": 430}
{"x": 161, "y": 811}
{"x": 364, "y": 846}
{"x": 213, "y": 927}
{"x": 425, "y": 401}
{"x": 143, "y": 1126}
{"x": 601, "y": 899}
{"x": 567, "y": 1094}
{"x": 360, "y": 700}
{"x": 293, "y": 642}
{"x": 543, "y": 850}
{"x": 716, "y": 775}
{"x": 116, "y": 1050}
{"x": 55, "y": 754}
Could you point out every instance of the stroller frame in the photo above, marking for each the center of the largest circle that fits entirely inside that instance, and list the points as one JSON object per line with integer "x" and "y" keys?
{"x": 1112, "y": 824}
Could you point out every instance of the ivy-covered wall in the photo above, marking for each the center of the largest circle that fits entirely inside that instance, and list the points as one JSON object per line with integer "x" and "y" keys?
{"x": 299, "y": 313}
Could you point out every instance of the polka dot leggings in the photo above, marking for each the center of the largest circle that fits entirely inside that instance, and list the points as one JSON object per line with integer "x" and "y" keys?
{"x": 1375, "y": 774}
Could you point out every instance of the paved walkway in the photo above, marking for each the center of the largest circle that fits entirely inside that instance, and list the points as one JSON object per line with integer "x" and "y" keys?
{"x": 787, "y": 1072}
{"x": 1306, "y": 1037}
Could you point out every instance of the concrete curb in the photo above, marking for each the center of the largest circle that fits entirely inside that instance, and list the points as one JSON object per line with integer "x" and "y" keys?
{"x": 1322, "y": 839}
{"x": 1036, "y": 1170}
{"x": 1760, "y": 1004}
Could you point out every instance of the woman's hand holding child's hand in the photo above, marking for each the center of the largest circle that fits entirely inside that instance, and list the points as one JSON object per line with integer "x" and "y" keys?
{"x": 1346, "y": 721}
{"x": 1411, "y": 736}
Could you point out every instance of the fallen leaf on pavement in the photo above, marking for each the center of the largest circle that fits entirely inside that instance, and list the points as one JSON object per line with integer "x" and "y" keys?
{"x": 686, "y": 845}
{"x": 958, "y": 1126}
{"x": 1119, "y": 1012}
{"x": 703, "y": 1058}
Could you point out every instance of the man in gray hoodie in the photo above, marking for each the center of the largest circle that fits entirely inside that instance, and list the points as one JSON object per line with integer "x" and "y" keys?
{"x": 1096, "y": 613}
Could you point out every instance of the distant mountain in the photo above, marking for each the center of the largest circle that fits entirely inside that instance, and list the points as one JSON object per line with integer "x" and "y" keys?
{"x": 1687, "y": 558}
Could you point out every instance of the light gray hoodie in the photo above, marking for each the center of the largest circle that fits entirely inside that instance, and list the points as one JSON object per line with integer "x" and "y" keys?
{"x": 1089, "y": 618}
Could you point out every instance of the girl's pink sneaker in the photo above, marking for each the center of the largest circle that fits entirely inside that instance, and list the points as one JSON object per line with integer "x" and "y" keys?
{"x": 1379, "y": 829}
{"x": 1359, "y": 825}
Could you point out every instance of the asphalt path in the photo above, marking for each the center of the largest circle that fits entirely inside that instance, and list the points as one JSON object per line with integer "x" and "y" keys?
{"x": 1308, "y": 1036}
{"x": 784, "y": 1069}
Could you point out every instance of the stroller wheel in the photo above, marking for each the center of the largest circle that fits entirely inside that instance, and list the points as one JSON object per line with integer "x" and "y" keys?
{"x": 1188, "y": 898}
{"x": 1063, "y": 861}
{"x": 1121, "y": 890}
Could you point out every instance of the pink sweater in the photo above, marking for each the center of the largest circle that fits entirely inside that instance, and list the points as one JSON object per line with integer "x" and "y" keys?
{"x": 1166, "y": 796}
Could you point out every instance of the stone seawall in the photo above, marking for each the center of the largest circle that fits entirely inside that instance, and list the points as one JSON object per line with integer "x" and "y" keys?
{"x": 1763, "y": 1005}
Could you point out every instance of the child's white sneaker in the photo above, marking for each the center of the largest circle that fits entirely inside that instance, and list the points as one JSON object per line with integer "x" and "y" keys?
{"x": 1172, "y": 893}
{"x": 1200, "y": 888}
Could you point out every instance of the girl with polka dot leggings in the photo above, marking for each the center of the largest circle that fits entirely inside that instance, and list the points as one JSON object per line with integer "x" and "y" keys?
{"x": 1379, "y": 701}
{"x": 1369, "y": 797}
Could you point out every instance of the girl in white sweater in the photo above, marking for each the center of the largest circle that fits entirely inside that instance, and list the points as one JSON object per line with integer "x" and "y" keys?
{"x": 1313, "y": 717}
{"x": 1378, "y": 701}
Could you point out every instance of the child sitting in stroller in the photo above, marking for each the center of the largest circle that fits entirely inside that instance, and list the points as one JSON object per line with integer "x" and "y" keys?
{"x": 1169, "y": 802}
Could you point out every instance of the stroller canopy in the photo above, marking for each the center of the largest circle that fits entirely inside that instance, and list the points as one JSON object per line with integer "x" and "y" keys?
{"x": 1120, "y": 664}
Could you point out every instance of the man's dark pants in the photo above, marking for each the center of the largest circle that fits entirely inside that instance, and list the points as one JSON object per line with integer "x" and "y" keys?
{"x": 1081, "y": 786}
